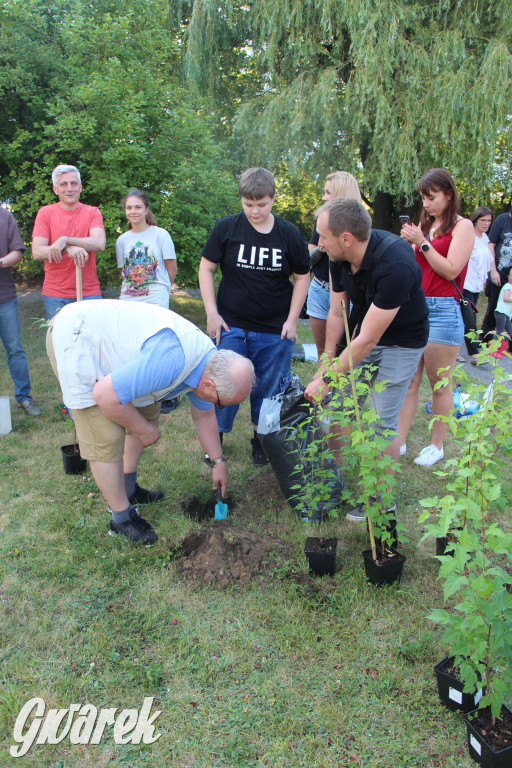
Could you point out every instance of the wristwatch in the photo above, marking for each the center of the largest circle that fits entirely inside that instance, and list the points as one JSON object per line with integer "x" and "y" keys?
{"x": 425, "y": 246}
{"x": 220, "y": 460}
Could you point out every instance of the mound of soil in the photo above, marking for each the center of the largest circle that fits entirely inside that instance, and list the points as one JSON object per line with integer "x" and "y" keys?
{"x": 224, "y": 554}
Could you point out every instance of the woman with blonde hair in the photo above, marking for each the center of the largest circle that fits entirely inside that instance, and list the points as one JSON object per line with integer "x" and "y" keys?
{"x": 337, "y": 184}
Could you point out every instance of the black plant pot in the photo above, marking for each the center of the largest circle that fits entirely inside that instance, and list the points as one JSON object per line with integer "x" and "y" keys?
{"x": 441, "y": 544}
{"x": 479, "y": 748}
{"x": 321, "y": 555}
{"x": 73, "y": 462}
{"x": 444, "y": 541}
{"x": 384, "y": 571}
{"x": 450, "y": 688}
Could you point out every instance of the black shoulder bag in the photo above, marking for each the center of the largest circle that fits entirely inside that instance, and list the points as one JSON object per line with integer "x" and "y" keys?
{"x": 360, "y": 303}
{"x": 468, "y": 308}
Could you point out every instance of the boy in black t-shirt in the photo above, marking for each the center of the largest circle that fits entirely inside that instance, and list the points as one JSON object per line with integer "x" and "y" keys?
{"x": 257, "y": 306}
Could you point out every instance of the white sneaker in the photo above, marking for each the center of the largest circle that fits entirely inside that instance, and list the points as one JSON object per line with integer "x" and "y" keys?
{"x": 403, "y": 450}
{"x": 429, "y": 456}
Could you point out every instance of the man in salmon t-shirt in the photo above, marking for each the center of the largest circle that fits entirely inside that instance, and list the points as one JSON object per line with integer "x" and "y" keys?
{"x": 67, "y": 235}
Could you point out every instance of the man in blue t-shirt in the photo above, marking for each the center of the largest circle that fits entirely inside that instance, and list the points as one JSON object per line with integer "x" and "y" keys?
{"x": 378, "y": 274}
{"x": 115, "y": 361}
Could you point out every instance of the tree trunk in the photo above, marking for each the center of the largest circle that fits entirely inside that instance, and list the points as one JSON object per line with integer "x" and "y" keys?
{"x": 387, "y": 209}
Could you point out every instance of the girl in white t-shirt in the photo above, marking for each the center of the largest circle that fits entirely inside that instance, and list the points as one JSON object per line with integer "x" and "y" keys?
{"x": 147, "y": 260}
{"x": 503, "y": 311}
{"x": 145, "y": 254}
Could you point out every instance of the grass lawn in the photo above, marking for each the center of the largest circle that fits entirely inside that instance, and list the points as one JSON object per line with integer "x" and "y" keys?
{"x": 284, "y": 672}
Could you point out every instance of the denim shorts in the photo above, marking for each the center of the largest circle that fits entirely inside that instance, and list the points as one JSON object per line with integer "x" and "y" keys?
{"x": 445, "y": 321}
{"x": 319, "y": 300}
{"x": 271, "y": 356}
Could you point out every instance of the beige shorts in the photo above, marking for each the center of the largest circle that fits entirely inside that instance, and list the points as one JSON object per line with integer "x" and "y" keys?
{"x": 100, "y": 438}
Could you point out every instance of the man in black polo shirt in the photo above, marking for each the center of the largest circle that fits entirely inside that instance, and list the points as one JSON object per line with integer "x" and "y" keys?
{"x": 389, "y": 319}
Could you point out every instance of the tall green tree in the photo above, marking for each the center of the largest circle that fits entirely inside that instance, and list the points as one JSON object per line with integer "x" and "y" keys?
{"x": 94, "y": 85}
{"x": 385, "y": 90}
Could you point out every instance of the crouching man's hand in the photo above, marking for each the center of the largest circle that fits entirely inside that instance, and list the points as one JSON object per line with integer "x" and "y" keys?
{"x": 149, "y": 435}
{"x": 220, "y": 474}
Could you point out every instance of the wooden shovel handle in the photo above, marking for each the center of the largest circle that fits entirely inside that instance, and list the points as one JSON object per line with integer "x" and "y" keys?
{"x": 79, "y": 283}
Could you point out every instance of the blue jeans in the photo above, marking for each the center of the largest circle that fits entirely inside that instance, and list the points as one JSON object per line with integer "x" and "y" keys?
{"x": 271, "y": 356}
{"x": 16, "y": 357}
{"x": 52, "y": 304}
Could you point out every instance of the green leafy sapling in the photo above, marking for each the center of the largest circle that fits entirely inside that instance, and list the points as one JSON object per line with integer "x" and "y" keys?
{"x": 319, "y": 485}
{"x": 478, "y": 628}
{"x": 364, "y": 446}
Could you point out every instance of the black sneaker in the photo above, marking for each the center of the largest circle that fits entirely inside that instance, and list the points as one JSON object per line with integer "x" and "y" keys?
{"x": 259, "y": 458}
{"x": 167, "y": 406}
{"x": 136, "y": 529}
{"x": 143, "y": 496}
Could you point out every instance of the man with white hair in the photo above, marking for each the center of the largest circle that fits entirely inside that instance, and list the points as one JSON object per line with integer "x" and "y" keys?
{"x": 115, "y": 361}
{"x": 66, "y": 235}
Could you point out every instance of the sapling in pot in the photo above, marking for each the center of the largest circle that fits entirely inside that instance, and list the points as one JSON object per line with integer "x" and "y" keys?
{"x": 366, "y": 443}
{"x": 72, "y": 461}
{"x": 478, "y": 628}
{"x": 318, "y": 486}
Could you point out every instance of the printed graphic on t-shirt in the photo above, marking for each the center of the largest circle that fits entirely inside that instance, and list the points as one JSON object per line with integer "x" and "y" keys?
{"x": 505, "y": 259}
{"x": 257, "y": 257}
{"x": 139, "y": 270}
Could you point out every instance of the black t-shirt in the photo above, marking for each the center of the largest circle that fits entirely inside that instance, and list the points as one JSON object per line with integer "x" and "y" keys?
{"x": 501, "y": 235}
{"x": 321, "y": 268}
{"x": 255, "y": 290}
{"x": 395, "y": 282}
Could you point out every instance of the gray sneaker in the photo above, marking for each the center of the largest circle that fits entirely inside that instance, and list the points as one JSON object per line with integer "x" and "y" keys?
{"x": 29, "y": 407}
{"x": 358, "y": 514}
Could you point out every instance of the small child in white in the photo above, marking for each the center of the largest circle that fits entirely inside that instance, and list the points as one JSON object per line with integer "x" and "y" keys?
{"x": 503, "y": 314}
{"x": 503, "y": 311}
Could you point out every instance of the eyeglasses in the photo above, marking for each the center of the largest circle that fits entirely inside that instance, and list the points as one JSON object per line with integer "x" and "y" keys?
{"x": 219, "y": 404}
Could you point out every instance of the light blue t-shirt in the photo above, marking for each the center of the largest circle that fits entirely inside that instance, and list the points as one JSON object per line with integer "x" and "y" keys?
{"x": 505, "y": 307}
{"x": 157, "y": 366}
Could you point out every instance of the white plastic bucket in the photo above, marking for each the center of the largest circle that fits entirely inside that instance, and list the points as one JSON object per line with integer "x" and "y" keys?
{"x": 5, "y": 415}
